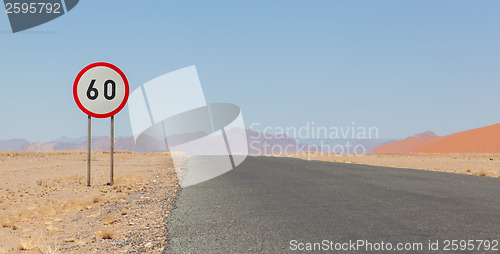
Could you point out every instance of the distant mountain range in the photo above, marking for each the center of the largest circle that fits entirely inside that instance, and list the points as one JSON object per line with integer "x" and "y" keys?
{"x": 480, "y": 140}
{"x": 13, "y": 144}
{"x": 99, "y": 143}
{"x": 424, "y": 134}
{"x": 409, "y": 144}
{"x": 258, "y": 143}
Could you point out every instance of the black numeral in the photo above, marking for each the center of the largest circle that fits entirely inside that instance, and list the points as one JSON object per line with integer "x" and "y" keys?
{"x": 92, "y": 89}
{"x": 113, "y": 89}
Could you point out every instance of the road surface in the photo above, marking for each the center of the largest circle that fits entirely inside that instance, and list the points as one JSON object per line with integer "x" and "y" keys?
{"x": 273, "y": 205}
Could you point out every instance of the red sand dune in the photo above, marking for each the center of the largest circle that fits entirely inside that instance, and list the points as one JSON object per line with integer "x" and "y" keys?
{"x": 480, "y": 140}
{"x": 406, "y": 145}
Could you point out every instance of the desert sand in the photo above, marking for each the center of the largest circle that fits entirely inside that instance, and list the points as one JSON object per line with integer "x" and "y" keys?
{"x": 46, "y": 207}
{"x": 480, "y": 140}
{"x": 406, "y": 145}
{"x": 472, "y": 164}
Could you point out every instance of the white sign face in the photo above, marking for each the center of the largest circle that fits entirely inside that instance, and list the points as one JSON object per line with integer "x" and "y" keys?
{"x": 101, "y": 90}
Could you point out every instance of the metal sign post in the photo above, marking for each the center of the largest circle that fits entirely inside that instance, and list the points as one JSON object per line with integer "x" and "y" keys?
{"x": 88, "y": 156}
{"x": 101, "y": 90}
{"x": 112, "y": 150}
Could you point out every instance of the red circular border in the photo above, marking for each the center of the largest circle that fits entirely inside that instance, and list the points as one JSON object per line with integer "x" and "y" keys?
{"x": 79, "y": 76}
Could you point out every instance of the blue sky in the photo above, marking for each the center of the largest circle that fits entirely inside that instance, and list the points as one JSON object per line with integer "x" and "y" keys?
{"x": 402, "y": 66}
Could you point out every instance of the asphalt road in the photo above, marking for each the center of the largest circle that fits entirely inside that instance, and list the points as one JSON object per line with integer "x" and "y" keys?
{"x": 265, "y": 203}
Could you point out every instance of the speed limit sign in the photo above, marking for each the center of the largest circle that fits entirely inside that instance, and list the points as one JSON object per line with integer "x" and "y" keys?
{"x": 101, "y": 90}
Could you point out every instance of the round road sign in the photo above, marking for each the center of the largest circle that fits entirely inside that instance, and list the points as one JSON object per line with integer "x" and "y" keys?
{"x": 101, "y": 90}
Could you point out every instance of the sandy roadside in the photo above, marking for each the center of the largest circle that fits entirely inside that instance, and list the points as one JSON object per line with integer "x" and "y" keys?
{"x": 473, "y": 164}
{"x": 46, "y": 207}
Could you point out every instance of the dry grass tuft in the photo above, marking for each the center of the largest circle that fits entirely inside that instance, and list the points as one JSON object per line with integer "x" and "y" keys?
{"x": 69, "y": 240}
{"x": 45, "y": 248}
{"x": 107, "y": 233}
{"x": 80, "y": 243}
{"x": 109, "y": 219}
{"x": 51, "y": 228}
{"x": 117, "y": 197}
{"x": 6, "y": 222}
{"x": 76, "y": 204}
{"x": 95, "y": 215}
{"x": 26, "y": 244}
{"x": 481, "y": 173}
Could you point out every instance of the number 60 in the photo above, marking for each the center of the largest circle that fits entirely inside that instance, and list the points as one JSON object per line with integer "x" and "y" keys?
{"x": 93, "y": 93}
